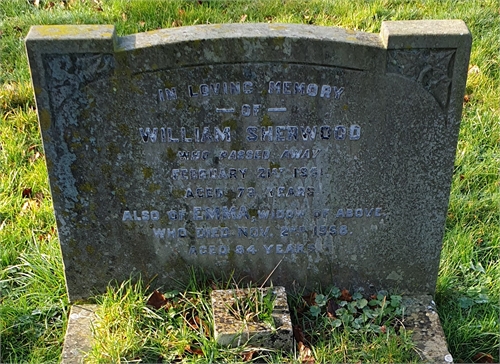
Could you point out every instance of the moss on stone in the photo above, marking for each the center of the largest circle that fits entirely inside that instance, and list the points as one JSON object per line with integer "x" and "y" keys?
{"x": 171, "y": 154}
{"x": 147, "y": 172}
{"x": 266, "y": 121}
{"x": 274, "y": 165}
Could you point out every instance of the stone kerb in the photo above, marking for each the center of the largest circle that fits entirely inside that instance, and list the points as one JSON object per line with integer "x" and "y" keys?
{"x": 229, "y": 147}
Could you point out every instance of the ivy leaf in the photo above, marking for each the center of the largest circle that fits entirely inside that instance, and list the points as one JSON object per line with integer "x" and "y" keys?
{"x": 356, "y": 296}
{"x": 352, "y": 307}
{"x": 363, "y": 318}
{"x": 362, "y": 303}
{"x": 388, "y": 309}
{"x": 320, "y": 300}
{"x": 482, "y": 298}
{"x": 477, "y": 268}
{"x": 315, "y": 311}
{"x": 171, "y": 294}
{"x": 466, "y": 302}
{"x": 335, "y": 292}
{"x": 346, "y": 319}
{"x": 336, "y": 323}
{"x": 341, "y": 311}
{"x": 376, "y": 312}
{"x": 396, "y": 300}
{"x": 359, "y": 320}
{"x": 368, "y": 313}
{"x": 374, "y": 302}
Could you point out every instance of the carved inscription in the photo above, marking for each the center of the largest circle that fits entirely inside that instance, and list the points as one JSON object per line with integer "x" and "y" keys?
{"x": 249, "y": 169}
{"x": 203, "y": 213}
{"x": 283, "y": 133}
{"x": 247, "y": 87}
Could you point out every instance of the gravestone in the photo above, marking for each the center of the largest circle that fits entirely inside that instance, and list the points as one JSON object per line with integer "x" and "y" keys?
{"x": 241, "y": 147}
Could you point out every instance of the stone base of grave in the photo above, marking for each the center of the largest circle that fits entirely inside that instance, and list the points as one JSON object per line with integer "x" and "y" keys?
{"x": 78, "y": 339}
{"x": 428, "y": 335}
{"x": 230, "y": 331}
{"x": 421, "y": 317}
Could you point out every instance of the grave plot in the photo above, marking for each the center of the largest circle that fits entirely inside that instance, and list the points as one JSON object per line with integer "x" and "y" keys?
{"x": 232, "y": 148}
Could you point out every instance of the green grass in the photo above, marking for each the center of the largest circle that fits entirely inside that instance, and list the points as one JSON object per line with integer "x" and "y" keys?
{"x": 33, "y": 301}
{"x": 127, "y": 328}
{"x": 180, "y": 326}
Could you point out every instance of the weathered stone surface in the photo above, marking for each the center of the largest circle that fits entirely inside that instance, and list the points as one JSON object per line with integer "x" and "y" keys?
{"x": 78, "y": 339}
{"x": 230, "y": 147}
{"x": 229, "y": 330}
{"x": 428, "y": 335}
{"x": 420, "y": 317}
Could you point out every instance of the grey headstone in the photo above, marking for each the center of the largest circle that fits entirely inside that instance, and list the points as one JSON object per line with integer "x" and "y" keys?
{"x": 240, "y": 146}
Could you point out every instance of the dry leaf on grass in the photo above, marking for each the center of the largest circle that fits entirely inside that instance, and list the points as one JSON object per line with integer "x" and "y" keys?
{"x": 474, "y": 70}
{"x": 27, "y": 193}
{"x": 248, "y": 355}
{"x": 345, "y": 296}
{"x": 25, "y": 206}
{"x": 331, "y": 307}
{"x": 298, "y": 334}
{"x": 305, "y": 354}
{"x": 195, "y": 322}
{"x": 482, "y": 358}
{"x": 310, "y": 299}
{"x": 47, "y": 236}
{"x": 34, "y": 157}
{"x": 157, "y": 300}
{"x": 39, "y": 196}
{"x": 29, "y": 205}
{"x": 196, "y": 351}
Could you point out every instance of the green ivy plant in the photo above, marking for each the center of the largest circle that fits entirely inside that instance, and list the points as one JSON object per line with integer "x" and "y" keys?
{"x": 380, "y": 313}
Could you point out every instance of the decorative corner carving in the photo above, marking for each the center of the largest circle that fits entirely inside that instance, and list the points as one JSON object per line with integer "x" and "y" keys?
{"x": 66, "y": 77}
{"x": 431, "y": 68}
{"x": 68, "y": 74}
